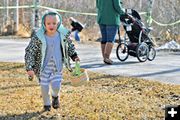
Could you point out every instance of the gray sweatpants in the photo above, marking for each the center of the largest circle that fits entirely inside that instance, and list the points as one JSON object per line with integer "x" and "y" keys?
{"x": 50, "y": 77}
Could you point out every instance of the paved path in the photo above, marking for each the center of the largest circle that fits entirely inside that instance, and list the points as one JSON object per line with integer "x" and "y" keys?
{"x": 165, "y": 67}
{"x": 12, "y": 50}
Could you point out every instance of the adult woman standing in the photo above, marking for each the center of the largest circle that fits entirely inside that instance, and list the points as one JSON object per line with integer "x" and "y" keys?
{"x": 108, "y": 18}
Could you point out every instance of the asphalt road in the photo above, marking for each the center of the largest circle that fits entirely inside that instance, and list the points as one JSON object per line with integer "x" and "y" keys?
{"x": 165, "y": 68}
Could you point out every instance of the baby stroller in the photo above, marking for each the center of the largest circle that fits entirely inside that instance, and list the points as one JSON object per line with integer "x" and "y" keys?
{"x": 137, "y": 41}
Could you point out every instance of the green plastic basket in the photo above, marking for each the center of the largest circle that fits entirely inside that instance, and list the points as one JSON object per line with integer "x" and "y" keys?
{"x": 79, "y": 75}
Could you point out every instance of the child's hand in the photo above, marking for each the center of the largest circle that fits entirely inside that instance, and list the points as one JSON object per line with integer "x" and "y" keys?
{"x": 30, "y": 75}
{"x": 77, "y": 59}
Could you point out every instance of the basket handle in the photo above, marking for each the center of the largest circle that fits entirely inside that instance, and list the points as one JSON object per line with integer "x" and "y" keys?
{"x": 77, "y": 71}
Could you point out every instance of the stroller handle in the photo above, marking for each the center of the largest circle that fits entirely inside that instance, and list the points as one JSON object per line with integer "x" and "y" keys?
{"x": 130, "y": 14}
{"x": 127, "y": 18}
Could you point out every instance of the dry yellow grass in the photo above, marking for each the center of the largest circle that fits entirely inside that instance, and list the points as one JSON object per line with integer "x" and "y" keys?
{"x": 104, "y": 97}
{"x": 24, "y": 31}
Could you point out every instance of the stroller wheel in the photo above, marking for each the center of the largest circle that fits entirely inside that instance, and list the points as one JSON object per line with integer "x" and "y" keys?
{"x": 142, "y": 52}
{"x": 152, "y": 53}
{"x": 122, "y": 52}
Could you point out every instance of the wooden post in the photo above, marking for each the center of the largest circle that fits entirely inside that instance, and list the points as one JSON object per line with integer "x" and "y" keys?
{"x": 149, "y": 12}
{"x": 7, "y": 10}
{"x": 36, "y": 14}
{"x": 17, "y": 15}
{"x": 140, "y": 4}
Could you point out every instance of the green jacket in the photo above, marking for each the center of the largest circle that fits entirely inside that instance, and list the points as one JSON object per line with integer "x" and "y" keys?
{"x": 109, "y": 12}
{"x": 36, "y": 50}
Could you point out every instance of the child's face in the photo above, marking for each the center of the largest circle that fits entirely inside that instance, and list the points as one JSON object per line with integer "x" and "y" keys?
{"x": 51, "y": 24}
